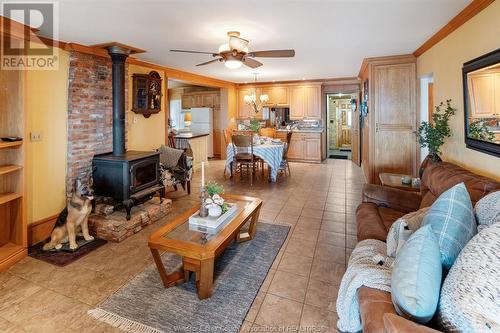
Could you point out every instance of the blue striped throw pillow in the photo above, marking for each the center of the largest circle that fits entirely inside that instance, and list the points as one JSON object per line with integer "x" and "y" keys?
{"x": 452, "y": 219}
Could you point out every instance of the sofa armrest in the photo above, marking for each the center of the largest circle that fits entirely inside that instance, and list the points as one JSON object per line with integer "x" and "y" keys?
{"x": 396, "y": 324}
{"x": 401, "y": 200}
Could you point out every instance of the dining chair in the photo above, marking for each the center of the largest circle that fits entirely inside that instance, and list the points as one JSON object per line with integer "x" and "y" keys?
{"x": 268, "y": 131}
{"x": 243, "y": 155}
{"x": 284, "y": 162}
{"x": 171, "y": 140}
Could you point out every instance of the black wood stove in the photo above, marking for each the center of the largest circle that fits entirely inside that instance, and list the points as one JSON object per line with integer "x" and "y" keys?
{"x": 129, "y": 177}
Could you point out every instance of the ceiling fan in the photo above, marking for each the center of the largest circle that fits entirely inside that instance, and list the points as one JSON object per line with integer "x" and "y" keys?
{"x": 235, "y": 53}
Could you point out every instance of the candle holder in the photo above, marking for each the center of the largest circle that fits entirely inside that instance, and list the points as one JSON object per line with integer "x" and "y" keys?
{"x": 203, "y": 204}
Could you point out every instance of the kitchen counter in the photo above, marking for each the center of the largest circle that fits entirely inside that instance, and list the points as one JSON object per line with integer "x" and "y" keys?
{"x": 198, "y": 142}
{"x": 190, "y": 135}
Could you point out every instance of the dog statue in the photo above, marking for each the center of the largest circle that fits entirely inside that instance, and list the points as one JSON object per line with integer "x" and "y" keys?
{"x": 72, "y": 218}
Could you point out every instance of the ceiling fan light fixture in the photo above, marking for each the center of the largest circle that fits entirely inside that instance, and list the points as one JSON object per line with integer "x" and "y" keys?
{"x": 224, "y": 48}
{"x": 233, "y": 64}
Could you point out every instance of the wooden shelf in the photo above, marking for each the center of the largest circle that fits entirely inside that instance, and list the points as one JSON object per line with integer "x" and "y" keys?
{"x": 15, "y": 144}
{"x": 5, "y": 169}
{"x": 8, "y": 250}
{"x": 8, "y": 197}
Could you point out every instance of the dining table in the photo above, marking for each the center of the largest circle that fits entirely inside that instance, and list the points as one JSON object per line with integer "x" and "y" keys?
{"x": 270, "y": 152}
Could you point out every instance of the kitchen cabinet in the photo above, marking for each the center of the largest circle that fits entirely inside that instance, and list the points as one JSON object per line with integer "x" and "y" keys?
{"x": 245, "y": 111}
{"x": 218, "y": 143}
{"x": 304, "y": 147}
{"x": 278, "y": 96}
{"x": 305, "y": 102}
{"x": 297, "y": 103}
{"x": 187, "y": 101}
{"x": 312, "y": 147}
{"x": 200, "y": 100}
{"x": 297, "y": 148}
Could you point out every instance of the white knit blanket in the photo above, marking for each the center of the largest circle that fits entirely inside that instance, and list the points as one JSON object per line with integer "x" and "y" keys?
{"x": 364, "y": 269}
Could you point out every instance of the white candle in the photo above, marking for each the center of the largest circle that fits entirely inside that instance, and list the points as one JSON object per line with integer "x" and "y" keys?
{"x": 203, "y": 174}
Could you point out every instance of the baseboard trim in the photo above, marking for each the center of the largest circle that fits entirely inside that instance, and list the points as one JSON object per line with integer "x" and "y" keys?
{"x": 41, "y": 229}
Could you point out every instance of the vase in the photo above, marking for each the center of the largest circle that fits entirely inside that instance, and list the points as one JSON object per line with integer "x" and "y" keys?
{"x": 431, "y": 158}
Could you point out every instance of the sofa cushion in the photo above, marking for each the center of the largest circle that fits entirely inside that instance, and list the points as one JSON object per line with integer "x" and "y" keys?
{"x": 373, "y": 222}
{"x": 470, "y": 295}
{"x": 487, "y": 210}
{"x": 416, "y": 276}
{"x": 452, "y": 220}
{"x": 440, "y": 177}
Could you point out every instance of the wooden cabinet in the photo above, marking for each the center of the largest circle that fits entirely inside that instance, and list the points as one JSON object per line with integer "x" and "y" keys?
{"x": 312, "y": 147}
{"x": 187, "y": 101}
{"x": 278, "y": 96}
{"x": 217, "y": 143}
{"x": 200, "y": 100}
{"x": 312, "y": 102}
{"x": 305, "y": 147}
{"x": 305, "y": 102}
{"x": 296, "y": 103}
{"x": 297, "y": 147}
{"x": 147, "y": 92}
{"x": 388, "y": 137}
{"x": 245, "y": 111}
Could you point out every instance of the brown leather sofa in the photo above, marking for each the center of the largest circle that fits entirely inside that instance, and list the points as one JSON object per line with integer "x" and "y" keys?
{"x": 381, "y": 207}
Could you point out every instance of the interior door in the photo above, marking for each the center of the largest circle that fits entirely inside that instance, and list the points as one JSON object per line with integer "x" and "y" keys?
{"x": 395, "y": 120}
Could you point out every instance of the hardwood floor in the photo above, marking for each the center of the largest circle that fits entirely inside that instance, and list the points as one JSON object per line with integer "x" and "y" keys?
{"x": 318, "y": 200}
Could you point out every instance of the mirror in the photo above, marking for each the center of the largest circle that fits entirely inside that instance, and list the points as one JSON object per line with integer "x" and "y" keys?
{"x": 481, "y": 79}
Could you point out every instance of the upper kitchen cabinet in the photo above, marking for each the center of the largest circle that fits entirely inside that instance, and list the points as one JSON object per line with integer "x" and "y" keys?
{"x": 245, "y": 111}
{"x": 202, "y": 99}
{"x": 305, "y": 102}
{"x": 278, "y": 96}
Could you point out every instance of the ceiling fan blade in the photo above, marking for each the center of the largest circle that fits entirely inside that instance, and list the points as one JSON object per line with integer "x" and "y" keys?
{"x": 251, "y": 62}
{"x": 199, "y": 52}
{"x": 273, "y": 54}
{"x": 208, "y": 62}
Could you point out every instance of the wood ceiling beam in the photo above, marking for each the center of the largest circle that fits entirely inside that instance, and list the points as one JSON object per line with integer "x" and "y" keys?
{"x": 474, "y": 8}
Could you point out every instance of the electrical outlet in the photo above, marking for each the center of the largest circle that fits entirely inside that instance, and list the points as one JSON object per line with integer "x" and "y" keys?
{"x": 36, "y": 136}
{"x": 135, "y": 120}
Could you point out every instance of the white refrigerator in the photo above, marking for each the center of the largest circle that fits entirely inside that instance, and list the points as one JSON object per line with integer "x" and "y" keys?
{"x": 202, "y": 122}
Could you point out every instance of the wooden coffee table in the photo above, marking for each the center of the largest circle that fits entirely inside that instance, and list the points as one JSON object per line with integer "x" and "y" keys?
{"x": 198, "y": 249}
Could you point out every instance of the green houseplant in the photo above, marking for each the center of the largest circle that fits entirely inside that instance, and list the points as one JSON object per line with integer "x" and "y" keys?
{"x": 479, "y": 131}
{"x": 432, "y": 134}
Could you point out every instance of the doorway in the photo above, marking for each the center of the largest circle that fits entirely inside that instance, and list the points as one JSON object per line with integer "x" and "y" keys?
{"x": 339, "y": 125}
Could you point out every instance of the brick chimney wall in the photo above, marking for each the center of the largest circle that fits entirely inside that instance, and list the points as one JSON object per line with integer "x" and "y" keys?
{"x": 90, "y": 114}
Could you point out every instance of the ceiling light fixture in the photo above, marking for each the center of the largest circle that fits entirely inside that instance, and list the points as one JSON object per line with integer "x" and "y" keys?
{"x": 252, "y": 98}
{"x": 233, "y": 64}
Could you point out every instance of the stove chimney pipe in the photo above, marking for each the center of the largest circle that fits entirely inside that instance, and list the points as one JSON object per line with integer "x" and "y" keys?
{"x": 118, "y": 57}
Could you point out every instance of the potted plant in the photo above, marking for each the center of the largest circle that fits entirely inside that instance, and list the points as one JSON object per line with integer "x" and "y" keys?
{"x": 432, "y": 134}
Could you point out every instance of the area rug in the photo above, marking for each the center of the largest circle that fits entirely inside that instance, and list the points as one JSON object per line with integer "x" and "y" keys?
{"x": 144, "y": 305}
{"x": 62, "y": 257}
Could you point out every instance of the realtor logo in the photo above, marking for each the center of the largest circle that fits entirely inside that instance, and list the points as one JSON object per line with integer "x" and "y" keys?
{"x": 24, "y": 49}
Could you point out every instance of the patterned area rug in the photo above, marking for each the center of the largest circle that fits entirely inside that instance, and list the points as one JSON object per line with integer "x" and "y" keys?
{"x": 144, "y": 305}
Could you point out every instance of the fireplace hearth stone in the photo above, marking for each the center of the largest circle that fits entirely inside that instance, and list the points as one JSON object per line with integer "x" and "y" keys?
{"x": 115, "y": 227}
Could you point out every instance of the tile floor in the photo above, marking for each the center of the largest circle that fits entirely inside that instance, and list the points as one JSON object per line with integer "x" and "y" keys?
{"x": 318, "y": 201}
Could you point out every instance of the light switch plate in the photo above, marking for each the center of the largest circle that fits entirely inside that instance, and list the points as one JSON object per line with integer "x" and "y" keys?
{"x": 35, "y": 136}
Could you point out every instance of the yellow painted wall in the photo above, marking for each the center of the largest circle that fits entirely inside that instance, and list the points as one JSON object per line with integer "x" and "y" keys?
{"x": 47, "y": 104}
{"x": 145, "y": 133}
{"x": 476, "y": 37}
